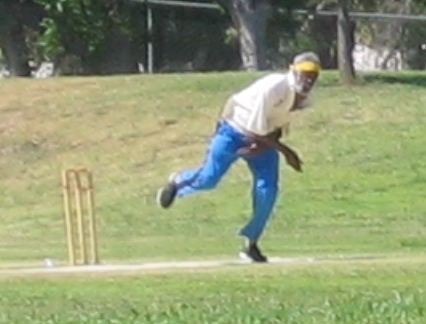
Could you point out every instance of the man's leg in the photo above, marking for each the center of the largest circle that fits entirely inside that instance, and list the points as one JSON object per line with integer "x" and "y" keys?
{"x": 265, "y": 170}
{"x": 220, "y": 154}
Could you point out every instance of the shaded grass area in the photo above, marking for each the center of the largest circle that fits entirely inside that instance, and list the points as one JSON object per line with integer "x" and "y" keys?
{"x": 318, "y": 293}
{"x": 410, "y": 79}
{"x": 362, "y": 190}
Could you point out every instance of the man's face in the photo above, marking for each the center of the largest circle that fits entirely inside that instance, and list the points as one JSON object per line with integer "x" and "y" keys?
{"x": 305, "y": 81}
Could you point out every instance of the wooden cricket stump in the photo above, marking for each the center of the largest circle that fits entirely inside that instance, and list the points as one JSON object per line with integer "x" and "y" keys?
{"x": 79, "y": 213}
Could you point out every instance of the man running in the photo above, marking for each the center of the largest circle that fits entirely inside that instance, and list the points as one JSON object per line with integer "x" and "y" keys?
{"x": 251, "y": 124}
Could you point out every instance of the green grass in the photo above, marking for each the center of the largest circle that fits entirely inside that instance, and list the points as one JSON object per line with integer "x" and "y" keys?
{"x": 326, "y": 293}
{"x": 362, "y": 190}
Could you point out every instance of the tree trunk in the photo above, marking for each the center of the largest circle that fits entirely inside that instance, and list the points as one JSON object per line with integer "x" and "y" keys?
{"x": 395, "y": 34}
{"x": 16, "y": 51}
{"x": 249, "y": 18}
{"x": 323, "y": 30}
{"x": 119, "y": 55}
{"x": 346, "y": 43}
{"x": 12, "y": 37}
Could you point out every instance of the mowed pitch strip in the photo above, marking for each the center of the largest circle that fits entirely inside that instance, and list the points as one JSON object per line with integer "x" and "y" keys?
{"x": 146, "y": 267}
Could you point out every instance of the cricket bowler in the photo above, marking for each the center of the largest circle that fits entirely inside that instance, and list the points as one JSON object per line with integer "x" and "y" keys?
{"x": 251, "y": 126}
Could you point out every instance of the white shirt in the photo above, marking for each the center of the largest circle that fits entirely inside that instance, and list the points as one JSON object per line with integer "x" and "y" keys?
{"x": 263, "y": 106}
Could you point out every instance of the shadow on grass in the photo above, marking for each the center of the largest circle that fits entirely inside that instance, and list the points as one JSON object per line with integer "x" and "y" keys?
{"x": 415, "y": 79}
{"x": 412, "y": 78}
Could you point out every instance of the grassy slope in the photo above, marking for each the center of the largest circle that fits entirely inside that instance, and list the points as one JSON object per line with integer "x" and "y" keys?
{"x": 362, "y": 190}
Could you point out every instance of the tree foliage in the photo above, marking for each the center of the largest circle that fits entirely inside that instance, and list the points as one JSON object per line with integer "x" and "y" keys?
{"x": 15, "y": 17}
{"x": 83, "y": 27}
{"x": 110, "y": 36}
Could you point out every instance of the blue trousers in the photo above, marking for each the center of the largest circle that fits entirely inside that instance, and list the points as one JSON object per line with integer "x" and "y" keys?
{"x": 220, "y": 155}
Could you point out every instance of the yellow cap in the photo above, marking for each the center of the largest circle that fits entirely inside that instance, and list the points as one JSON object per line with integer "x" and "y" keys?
{"x": 306, "y": 66}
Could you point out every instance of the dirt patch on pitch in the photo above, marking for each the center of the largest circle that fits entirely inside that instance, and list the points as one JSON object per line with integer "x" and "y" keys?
{"x": 170, "y": 267}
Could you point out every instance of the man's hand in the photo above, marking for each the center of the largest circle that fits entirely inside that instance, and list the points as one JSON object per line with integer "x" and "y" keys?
{"x": 292, "y": 158}
{"x": 256, "y": 147}
{"x": 272, "y": 140}
{"x": 252, "y": 150}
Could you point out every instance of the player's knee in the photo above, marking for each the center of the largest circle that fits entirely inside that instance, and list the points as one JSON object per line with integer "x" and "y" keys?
{"x": 269, "y": 186}
{"x": 208, "y": 181}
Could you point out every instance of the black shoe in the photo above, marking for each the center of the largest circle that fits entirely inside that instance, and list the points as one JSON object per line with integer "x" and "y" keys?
{"x": 253, "y": 253}
{"x": 166, "y": 195}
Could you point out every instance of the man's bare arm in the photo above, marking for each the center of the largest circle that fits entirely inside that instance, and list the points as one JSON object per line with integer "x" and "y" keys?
{"x": 272, "y": 140}
{"x": 256, "y": 147}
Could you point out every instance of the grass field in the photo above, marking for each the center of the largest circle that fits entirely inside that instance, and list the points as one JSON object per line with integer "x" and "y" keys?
{"x": 362, "y": 192}
{"x": 392, "y": 292}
